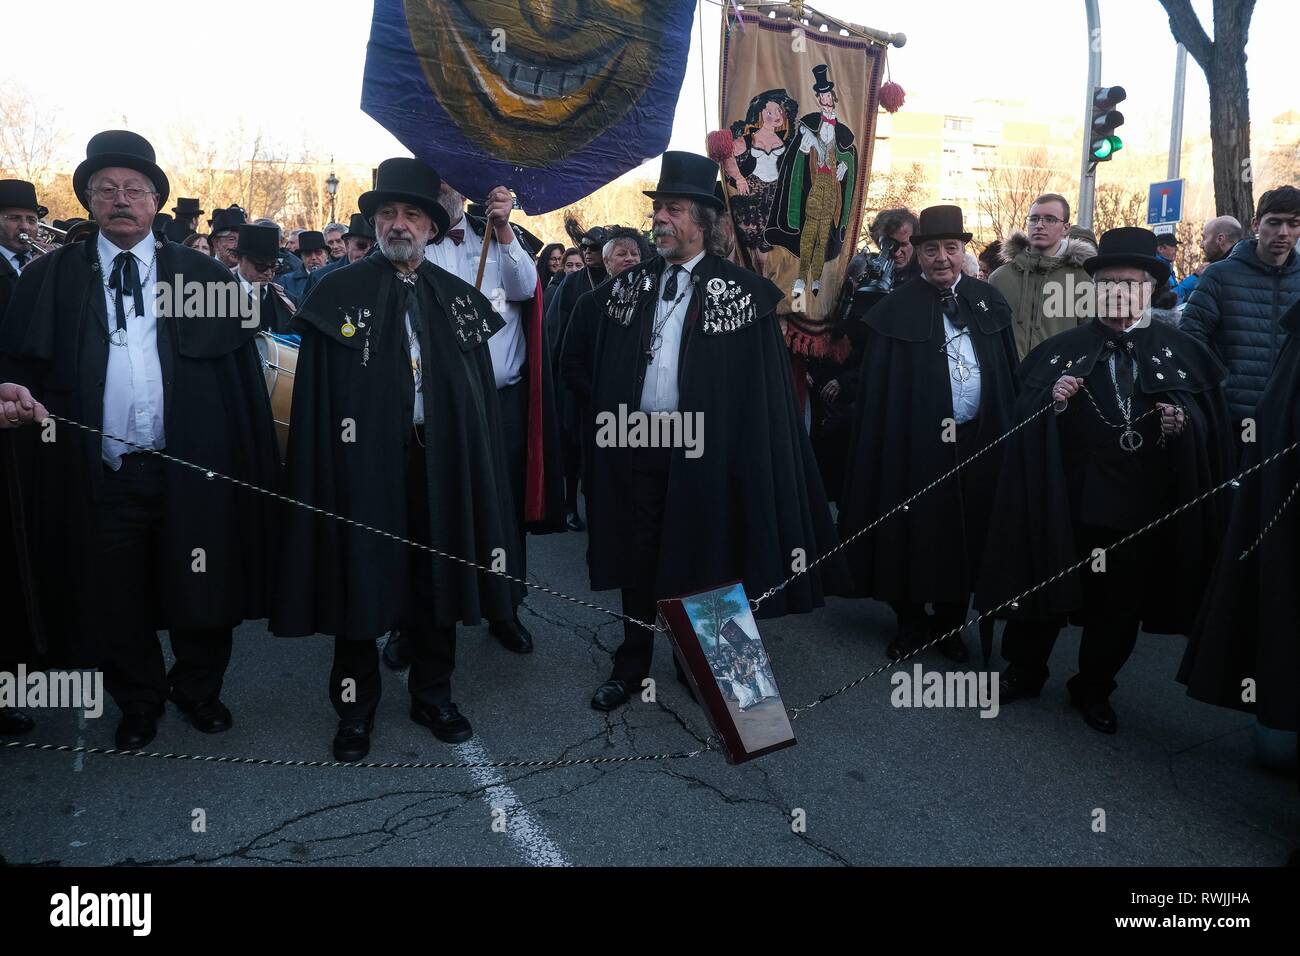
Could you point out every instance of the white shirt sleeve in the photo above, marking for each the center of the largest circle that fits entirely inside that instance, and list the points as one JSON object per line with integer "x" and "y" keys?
{"x": 518, "y": 272}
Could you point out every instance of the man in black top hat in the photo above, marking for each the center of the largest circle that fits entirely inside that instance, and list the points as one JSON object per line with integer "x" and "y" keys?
{"x": 127, "y": 541}
{"x": 225, "y": 233}
{"x": 689, "y": 343}
{"x": 357, "y": 242}
{"x": 383, "y": 341}
{"x": 20, "y": 215}
{"x": 313, "y": 253}
{"x": 938, "y": 383}
{"x": 185, "y": 219}
{"x": 257, "y": 248}
{"x": 1138, "y": 425}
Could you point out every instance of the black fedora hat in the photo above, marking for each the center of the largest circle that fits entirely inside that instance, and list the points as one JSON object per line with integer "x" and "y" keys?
{"x": 120, "y": 147}
{"x": 20, "y": 194}
{"x": 687, "y": 176}
{"x": 1128, "y": 246}
{"x": 258, "y": 242}
{"x": 186, "y": 207}
{"x": 310, "y": 242}
{"x": 360, "y": 227}
{"x": 408, "y": 181}
{"x": 940, "y": 222}
{"x": 227, "y": 220}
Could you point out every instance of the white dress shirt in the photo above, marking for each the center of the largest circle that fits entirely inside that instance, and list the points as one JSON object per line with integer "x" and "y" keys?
{"x": 13, "y": 259}
{"x": 509, "y": 279}
{"x": 965, "y": 395}
{"x": 133, "y": 382}
{"x": 659, "y": 393}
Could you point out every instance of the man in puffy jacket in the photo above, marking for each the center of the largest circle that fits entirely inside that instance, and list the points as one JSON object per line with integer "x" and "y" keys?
{"x": 1042, "y": 275}
{"x": 1235, "y": 307}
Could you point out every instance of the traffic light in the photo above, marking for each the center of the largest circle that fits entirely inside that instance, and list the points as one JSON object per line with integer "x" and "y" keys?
{"x": 1105, "y": 120}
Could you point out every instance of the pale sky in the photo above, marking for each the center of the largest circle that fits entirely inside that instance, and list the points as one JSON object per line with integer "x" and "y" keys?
{"x": 293, "y": 70}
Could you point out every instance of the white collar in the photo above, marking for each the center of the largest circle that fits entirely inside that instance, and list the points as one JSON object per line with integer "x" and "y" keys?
{"x": 954, "y": 282}
{"x": 142, "y": 250}
{"x": 689, "y": 264}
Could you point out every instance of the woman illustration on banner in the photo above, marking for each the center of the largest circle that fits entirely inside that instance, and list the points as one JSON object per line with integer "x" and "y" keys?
{"x": 760, "y": 142}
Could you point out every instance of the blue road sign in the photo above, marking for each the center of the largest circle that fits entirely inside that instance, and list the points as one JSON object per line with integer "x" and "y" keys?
{"x": 1165, "y": 202}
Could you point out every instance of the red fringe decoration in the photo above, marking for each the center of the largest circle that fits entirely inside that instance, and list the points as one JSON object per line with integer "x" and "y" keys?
{"x": 891, "y": 96}
{"x": 817, "y": 346}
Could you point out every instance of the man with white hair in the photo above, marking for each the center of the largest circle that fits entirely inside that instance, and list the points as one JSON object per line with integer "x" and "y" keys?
{"x": 394, "y": 353}
{"x": 1138, "y": 425}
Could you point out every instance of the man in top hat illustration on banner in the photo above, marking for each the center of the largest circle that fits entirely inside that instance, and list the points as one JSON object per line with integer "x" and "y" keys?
{"x": 814, "y": 201}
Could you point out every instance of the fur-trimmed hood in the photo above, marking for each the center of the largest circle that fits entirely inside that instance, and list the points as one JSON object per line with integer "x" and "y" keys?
{"x": 1076, "y": 250}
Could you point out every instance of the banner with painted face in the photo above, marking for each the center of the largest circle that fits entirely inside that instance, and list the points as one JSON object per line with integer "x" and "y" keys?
{"x": 553, "y": 100}
{"x": 798, "y": 107}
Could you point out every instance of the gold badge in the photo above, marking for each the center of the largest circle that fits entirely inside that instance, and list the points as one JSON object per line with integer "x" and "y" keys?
{"x": 348, "y": 330}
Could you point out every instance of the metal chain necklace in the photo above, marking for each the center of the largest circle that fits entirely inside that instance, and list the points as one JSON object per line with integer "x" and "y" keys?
{"x": 656, "y": 333}
{"x": 961, "y": 372}
{"x": 118, "y": 336}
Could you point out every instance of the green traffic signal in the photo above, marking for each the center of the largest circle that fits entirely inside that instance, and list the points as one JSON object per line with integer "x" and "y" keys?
{"x": 1106, "y": 147}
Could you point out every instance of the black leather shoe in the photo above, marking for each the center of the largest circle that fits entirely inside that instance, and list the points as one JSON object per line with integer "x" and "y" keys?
{"x": 352, "y": 741}
{"x": 14, "y": 722}
{"x": 611, "y": 694}
{"x": 954, "y": 648}
{"x": 447, "y": 723}
{"x": 512, "y": 635}
{"x": 1013, "y": 685}
{"x": 909, "y": 639}
{"x": 1099, "y": 715}
{"x": 397, "y": 652}
{"x": 135, "y": 731}
{"x": 209, "y": 716}
{"x": 573, "y": 522}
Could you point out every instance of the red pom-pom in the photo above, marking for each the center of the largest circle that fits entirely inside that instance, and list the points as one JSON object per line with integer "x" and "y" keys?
{"x": 891, "y": 96}
{"x": 720, "y": 143}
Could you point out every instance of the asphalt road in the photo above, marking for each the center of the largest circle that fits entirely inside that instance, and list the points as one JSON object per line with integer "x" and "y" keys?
{"x": 877, "y": 784}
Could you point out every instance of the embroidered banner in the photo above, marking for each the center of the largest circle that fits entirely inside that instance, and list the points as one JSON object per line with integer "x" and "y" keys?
{"x": 800, "y": 108}
{"x": 552, "y": 99}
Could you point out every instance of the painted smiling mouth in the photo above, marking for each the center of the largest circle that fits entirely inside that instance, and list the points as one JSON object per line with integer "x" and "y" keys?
{"x": 530, "y": 95}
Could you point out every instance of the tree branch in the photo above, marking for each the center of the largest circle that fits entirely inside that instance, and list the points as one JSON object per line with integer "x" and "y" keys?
{"x": 1188, "y": 31}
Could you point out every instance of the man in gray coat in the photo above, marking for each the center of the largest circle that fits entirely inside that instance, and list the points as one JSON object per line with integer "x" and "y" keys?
{"x": 1238, "y": 301}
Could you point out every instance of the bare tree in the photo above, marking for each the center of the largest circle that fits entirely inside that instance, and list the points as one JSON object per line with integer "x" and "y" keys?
{"x": 29, "y": 135}
{"x": 1115, "y": 206}
{"x": 1012, "y": 185}
{"x": 1223, "y": 61}
{"x": 895, "y": 189}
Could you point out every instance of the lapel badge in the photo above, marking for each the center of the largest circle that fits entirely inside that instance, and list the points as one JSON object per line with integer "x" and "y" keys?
{"x": 1169, "y": 353}
{"x": 1156, "y": 360}
{"x": 1181, "y": 373}
{"x": 716, "y": 286}
{"x": 984, "y": 306}
{"x": 1053, "y": 360}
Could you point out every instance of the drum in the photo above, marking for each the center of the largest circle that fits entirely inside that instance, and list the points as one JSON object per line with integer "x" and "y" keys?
{"x": 279, "y": 362}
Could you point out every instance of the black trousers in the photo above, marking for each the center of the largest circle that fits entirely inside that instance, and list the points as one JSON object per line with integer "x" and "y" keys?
{"x": 432, "y": 647}
{"x": 646, "y": 495}
{"x": 128, "y": 522}
{"x": 948, "y": 615}
{"x": 513, "y": 400}
{"x": 1113, "y": 608}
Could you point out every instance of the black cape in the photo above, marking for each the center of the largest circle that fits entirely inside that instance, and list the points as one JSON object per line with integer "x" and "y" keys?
{"x": 578, "y": 367}
{"x": 559, "y": 313}
{"x": 340, "y": 579}
{"x": 54, "y": 340}
{"x": 1250, "y": 619}
{"x": 740, "y": 509}
{"x": 1031, "y": 532}
{"x": 931, "y": 552}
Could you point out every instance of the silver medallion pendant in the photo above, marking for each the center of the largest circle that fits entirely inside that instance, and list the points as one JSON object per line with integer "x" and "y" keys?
{"x": 1130, "y": 439}
{"x": 961, "y": 373}
{"x": 118, "y": 337}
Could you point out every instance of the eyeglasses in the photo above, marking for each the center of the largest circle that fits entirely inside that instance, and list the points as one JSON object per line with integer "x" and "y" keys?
{"x": 1045, "y": 220}
{"x": 109, "y": 193}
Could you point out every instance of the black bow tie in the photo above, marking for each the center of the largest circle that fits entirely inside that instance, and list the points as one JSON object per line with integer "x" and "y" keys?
{"x": 951, "y": 308}
{"x": 1121, "y": 344}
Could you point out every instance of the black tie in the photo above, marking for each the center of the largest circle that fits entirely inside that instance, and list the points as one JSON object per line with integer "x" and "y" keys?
{"x": 126, "y": 277}
{"x": 1121, "y": 346}
{"x": 951, "y": 309}
{"x": 22, "y": 260}
{"x": 670, "y": 287}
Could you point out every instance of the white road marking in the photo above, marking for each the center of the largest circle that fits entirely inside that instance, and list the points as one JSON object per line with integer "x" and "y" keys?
{"x": 532, "y": 842}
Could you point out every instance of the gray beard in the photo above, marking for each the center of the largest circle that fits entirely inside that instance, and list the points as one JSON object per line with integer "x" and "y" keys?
{"x": 399, "y": 250}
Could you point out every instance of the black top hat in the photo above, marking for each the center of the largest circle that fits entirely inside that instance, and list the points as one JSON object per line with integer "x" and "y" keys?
{"x": 310, "y": 242}
{"x": 687, "y": 176}
{"x": 409, "y": 181}
{"x": 119, "y": 147}
{"x": 19, "y": 194}
{"x": 358, "y": 225}
{"x": 227, "y": 220}
{"x": 259, "y": 242}
{"x": 595, "y": 236}
{"x": 1128, "y": 246}
{"x": 823, "y": 85}
{"x": 185, "y": 208}
{"x": 940, "y": 222}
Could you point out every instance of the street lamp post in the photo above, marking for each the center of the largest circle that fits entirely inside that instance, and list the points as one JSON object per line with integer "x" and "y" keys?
{"x": 332, "y": 187}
